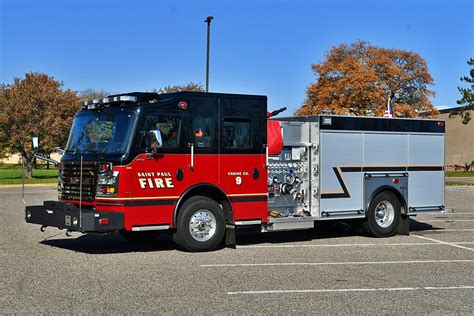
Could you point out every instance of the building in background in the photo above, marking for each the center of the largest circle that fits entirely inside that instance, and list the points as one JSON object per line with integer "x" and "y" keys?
{"x": 459, "y": 141}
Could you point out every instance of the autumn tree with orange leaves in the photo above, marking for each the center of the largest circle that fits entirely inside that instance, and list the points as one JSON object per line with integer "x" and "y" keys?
{"x": 359, "y": 78}
{"x": 36, "y": 105}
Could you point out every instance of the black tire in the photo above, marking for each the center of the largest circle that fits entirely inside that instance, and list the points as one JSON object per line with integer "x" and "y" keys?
{"x": 139, "y": 237}
{"x": 208, "y": 229}
{"x": 376, "y": 223}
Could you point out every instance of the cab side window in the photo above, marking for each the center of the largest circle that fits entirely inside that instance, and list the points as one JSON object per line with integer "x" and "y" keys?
{"x": 169, "y": 126}
{"x": 203, "y": 131}
{"x": 236, "y": 133}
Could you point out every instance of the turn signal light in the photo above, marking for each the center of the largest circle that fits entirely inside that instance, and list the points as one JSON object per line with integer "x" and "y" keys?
{"x": 106, "y": 189}
{"x": 104, "y": 221}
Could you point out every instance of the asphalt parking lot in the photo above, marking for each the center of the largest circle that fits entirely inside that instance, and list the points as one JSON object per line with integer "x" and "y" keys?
{"x": 327, "y": 270}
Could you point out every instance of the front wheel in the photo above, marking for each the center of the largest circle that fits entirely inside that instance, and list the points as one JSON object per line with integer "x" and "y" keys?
{"x": 200, "y": 225}
{"x": 383, "y": 215}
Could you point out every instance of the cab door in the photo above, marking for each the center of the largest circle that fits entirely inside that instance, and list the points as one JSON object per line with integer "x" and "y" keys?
{"x": 242, "y": 170}
{"x": 159, "y": 178}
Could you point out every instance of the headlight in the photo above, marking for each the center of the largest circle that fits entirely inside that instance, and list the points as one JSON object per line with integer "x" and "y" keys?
{"x": 107, "y": 183}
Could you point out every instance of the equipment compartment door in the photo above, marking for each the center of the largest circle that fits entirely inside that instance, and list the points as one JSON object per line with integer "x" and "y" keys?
{"x": 341, "y": 177}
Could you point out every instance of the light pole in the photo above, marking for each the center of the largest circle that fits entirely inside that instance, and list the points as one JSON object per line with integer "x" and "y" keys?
{"x": 208, "y": 21}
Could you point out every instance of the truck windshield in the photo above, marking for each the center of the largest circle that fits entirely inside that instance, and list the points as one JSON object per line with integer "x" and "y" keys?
{"x": 101, "y": 132}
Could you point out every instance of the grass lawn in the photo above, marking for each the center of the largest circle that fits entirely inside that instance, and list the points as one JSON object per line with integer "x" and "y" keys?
{"x": 459, "y": 183}
{"x": 11, "y": 174}
{"x": 459, "y": 173}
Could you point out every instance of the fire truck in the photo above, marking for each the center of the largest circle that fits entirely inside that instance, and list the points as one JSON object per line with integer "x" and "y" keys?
{"x": 201, "y": 165}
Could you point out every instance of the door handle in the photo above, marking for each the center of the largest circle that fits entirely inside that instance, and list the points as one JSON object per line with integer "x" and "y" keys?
{"x": 191, "y": 166}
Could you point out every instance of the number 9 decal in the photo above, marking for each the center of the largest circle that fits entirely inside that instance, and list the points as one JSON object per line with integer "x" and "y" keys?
{"x": 238, "y": 180}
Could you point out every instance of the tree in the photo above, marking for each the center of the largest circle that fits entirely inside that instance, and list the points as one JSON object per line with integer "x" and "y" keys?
{"x": 359, "y": 78}
{"x": 190, "y": 86}
{"x": 36, "y": 105}
{"x": 467, "y": 100}
{"x": 91, "y": 94}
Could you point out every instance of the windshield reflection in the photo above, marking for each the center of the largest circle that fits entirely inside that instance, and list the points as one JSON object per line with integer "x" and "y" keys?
{"x": 101, "y": 132}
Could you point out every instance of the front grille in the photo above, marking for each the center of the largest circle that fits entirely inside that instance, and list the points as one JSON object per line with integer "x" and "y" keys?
{"x": 70, "y": 177}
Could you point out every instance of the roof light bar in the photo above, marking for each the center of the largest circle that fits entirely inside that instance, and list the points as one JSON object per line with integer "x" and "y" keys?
{"x": 94, "y": 104}
{"x": 125, "y": 98}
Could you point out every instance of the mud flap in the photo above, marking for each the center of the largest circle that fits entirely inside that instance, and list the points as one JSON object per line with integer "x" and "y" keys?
{"x": 404, "y": 225}
{"x": 230, "y": 238}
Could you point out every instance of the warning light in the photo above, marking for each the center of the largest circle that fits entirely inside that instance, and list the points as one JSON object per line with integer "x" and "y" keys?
{"x": 440, "y": 124}
{"x": 104, "y": 221}
{"x": 107, "y": 189}
{"x": 104, "y": 167}
{"x": 396, "y": 181}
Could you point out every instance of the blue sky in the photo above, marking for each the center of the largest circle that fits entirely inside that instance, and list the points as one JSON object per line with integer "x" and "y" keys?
{"x": 257, "y": 47}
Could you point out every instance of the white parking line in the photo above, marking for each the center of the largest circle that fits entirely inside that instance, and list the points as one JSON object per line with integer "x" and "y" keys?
{"x": 352, "y": 263}
{"x": 446, "y": 220}
{"x": 351, "y": 245}
{"x": 450, "y": 230}
{"x": 381, "y": 289}
{"x": 442, "y": 242}
{"x": 446, "y": 214}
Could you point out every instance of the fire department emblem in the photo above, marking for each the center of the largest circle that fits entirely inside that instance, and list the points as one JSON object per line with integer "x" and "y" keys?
{"x": 183, "y": 105}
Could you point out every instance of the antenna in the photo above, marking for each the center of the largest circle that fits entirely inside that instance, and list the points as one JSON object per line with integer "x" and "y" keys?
{"x": 388, "y": 111}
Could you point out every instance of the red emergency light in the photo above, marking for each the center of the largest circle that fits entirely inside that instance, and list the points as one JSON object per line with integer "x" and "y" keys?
{"x": 104, "y": 221}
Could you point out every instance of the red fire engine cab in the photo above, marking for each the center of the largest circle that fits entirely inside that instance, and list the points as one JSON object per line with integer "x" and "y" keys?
{"x": 200, "y": 164}
{"x": 141, "y": 163}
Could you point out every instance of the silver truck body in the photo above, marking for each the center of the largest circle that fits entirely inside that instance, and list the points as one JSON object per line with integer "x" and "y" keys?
{"x": 332, "y": 167}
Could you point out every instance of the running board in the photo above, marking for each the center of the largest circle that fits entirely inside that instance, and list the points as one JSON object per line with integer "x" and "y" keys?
{"x": 248, "y": 222}
{"x": 429, "y": 210}
{"x": 288, "y": 223}
{"x": 147, "y": 228}
{"x": 331, "y": 215}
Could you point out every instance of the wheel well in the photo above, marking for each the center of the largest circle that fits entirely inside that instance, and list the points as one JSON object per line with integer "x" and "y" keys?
{"x": 395, "y": 192}
{"x": 209, "y": 191}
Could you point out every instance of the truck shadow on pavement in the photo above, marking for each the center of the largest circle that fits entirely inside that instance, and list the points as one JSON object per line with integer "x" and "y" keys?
{"x": 112, "y": 244}
{"x": 109, "y": 244}
{"x": 416, "y": 226}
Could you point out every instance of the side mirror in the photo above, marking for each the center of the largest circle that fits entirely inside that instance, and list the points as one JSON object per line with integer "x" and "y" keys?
{"x": 154, "y": 139}
{"x": 59, "y": 150}
{"x": 35, "y": 142}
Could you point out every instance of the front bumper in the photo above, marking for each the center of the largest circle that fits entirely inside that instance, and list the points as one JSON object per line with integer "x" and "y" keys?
{"x": 68, "y": 216}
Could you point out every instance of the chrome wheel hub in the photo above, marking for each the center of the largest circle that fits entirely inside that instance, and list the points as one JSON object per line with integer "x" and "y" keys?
{"x": 202, "y": 225}
{"x": 384, "y": 214}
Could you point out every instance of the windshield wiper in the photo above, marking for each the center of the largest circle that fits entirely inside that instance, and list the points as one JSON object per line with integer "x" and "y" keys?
{"x": 77, "y": 151}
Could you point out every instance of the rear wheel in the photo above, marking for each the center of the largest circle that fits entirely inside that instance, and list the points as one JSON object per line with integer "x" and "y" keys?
{"x": 139, "y": 237}
{"x": 383, "y": 215}
{"x": 200, "y": 225}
